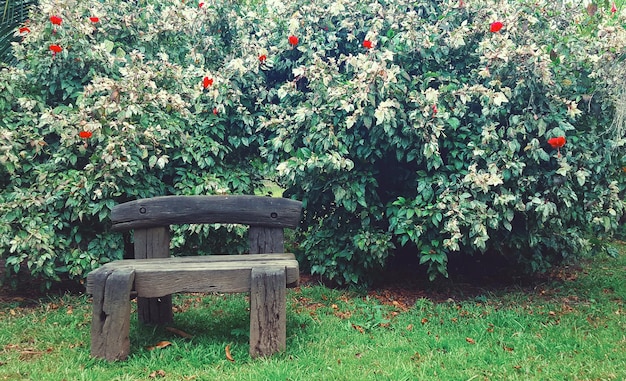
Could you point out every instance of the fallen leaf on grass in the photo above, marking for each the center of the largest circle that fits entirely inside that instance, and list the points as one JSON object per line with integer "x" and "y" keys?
{"x": 27, "y": 354}
{"x": 229, "y": 356}
{"x": 358, "y": 328}
{"x": 157, "y": 373}
{"x": 178, "y": 332}
{"x": 159, "y": 345}
{"x": 470, "y": 340}
{"x": 343, "y": 315}
{"x": 508, "y": 349}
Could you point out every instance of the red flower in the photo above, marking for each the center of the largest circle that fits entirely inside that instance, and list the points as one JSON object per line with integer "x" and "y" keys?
{"x": 215, "y": 111}
{"x": 435, "y": 110}
{"x": 367, "y": 44}
{"x": 85, "y": 134}
{"x": 613, "y": 8}
{"x": 24, "y": 29}
{"x": 557, "y": 142}
{"x": 56, "y": 20}
{"x": 200, "y": 5}
{"x": 206, "y": 82}
{"x": 55, "y": 49}
{"x": 496, "y": 26}
{"x": 262, "y": 57}
{"x": 94, "y": 19}
{"x": 293, "y": 40}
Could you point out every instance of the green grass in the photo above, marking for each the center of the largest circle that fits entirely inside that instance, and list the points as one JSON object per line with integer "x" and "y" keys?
{"x": 569, "y": 327}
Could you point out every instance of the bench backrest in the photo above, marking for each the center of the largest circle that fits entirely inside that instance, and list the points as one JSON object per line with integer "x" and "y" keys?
{"x": 150, "y": 218}
{"x": 236, "y": 209}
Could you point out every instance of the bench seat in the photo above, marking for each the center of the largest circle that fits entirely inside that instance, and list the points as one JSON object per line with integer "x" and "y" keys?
{"x": 216, "y": 273}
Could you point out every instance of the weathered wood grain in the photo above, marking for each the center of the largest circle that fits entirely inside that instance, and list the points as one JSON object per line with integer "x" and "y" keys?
{"x": 157, "y": 277}
{"x": 110, "y": 324}
{"x": 235, "y": 209}
{"x": 153, "y": 243}
{"x": 204, "y": 263}
{"x": 266, "y": 240}
{"x": 267, "y": 311}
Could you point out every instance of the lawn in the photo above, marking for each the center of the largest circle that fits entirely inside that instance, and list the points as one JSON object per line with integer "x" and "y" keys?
{"x": 570, "y": 325}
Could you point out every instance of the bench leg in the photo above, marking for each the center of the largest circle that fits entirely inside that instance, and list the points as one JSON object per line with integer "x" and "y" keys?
{"x": 110, "y": 324}
{"x": 153, "y": 243}
{"x": 267, "y": 311}
{"x": 155, "y": 311}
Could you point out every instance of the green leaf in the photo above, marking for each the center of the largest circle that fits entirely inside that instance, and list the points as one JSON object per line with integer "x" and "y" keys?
{"x": 108, "y": 46}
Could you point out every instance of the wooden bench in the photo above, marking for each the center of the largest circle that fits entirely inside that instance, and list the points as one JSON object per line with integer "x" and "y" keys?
{"x": 153, "y": 275}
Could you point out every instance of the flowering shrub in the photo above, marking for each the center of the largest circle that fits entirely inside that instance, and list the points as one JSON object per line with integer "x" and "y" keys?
{"x": 111, "y": 102}
{"x": 441, "y": 126}
{"x": 429, "y": 125}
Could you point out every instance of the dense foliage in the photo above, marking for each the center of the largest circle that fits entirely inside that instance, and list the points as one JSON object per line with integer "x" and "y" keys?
{"x": 452, "y": 128}
{"x": 111, "y": 102}
{"x": 426, "y": 125}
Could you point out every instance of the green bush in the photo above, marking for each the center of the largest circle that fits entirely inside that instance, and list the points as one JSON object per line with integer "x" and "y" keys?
{"x": 403, "y": 123}
{"x": 426, "y": 125}
{"x": 133, "y": 104}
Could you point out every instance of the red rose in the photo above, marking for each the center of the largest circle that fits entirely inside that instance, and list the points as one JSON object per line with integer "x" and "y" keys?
{"x": 262, "y": 57}
{"x": 85, "y": 134}
{"x": 206, "y": 82}
{"x": 94, "y": 19}
{"x": 496, "y": 26}
{"x": 367, "y": 44}
{"x": 56, "y": 20}
{"x": 200, "y": 5}
{"x": 557, "y": 142}
{"x": 293, "y": 40}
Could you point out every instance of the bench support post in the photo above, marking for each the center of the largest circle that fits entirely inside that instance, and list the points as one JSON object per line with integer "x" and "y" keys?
{"x": 266, "y": 240}
{"x": 110, "y": 323}
{"x": 267, "y": 311}
{"x": 153, "y": 243}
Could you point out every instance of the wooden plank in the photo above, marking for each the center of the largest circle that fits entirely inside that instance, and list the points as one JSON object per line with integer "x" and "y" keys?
{"x": 156, "y": 281}
{"x": 192, "y": 260}
{"x": 153, "y": 243}
{"x": 161, "y": 276}
{"x": 235, "y": 209}
{"x": 266, "y": 240}
{"x": 111, "y": 314}
{"x": 267, "y": 311}
{"x": 163, "y": 268}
